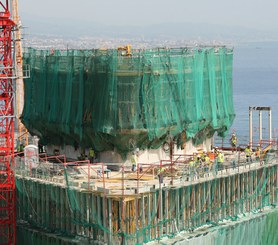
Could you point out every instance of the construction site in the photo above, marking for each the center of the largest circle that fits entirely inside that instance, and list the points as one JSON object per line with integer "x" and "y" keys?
{"x": 72, "y": 203}
{"x": 117, "y": 146}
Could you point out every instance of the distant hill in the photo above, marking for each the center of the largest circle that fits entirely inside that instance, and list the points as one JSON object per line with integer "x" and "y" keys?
{"x": 72, "y": 28}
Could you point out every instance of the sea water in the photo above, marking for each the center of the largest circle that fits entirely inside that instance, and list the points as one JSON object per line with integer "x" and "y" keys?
{"x": 255, "y": 79}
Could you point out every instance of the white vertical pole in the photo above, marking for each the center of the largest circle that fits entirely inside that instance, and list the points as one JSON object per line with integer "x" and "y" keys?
{"x": 250, "y": 127}
{"x": 260, "y": 126}
{"x": 270, "y": 124}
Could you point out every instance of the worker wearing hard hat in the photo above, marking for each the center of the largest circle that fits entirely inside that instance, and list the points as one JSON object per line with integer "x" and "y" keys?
{"x": 248, "y": 152}
{"x": 220, "y": 157}
{"x": 233, "y": 141}
{"x": 220, "y": 160}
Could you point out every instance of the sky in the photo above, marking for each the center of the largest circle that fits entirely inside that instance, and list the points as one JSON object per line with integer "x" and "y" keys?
{"x": 255, "y": 14}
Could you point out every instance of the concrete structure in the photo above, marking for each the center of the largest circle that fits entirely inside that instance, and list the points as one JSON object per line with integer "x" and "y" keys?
{"x": 81, "y": 201}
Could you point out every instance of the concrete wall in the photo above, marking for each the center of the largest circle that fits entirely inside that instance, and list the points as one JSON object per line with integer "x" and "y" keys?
{"x": 144, "y": 156}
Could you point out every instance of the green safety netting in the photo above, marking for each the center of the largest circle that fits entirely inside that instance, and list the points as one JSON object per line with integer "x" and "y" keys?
{"x": 102, "y": 99}
{"x": 257, "y": 229}
{"x": 73, "y": 213}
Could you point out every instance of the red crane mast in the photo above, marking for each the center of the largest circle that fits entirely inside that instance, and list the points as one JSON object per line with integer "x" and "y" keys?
{"x": 7, "y": 117}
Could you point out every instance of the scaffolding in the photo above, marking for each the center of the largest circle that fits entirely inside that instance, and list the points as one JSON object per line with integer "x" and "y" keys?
{"x": 89, "y": 203}
{"x": 101, "y": 99}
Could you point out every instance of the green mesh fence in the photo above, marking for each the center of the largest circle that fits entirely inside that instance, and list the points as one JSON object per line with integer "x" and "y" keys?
{"x": 102, "y": 99}
{"x": 257, "y": 229}
{"x": 28, "y": 236}
{"x": 161, "y": 213}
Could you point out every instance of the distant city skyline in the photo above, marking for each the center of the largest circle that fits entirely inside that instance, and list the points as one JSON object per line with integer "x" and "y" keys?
{"x": 255, "y": 14}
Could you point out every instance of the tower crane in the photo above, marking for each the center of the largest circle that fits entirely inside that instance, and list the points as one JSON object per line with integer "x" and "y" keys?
{"x": 10, "y": 71}
{"x": 7, "y": 95}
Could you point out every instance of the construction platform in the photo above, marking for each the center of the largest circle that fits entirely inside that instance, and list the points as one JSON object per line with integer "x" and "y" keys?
{"x": 82, "y": 203}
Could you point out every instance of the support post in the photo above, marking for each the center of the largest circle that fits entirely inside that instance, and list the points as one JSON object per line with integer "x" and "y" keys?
{"x": 110, "y": 220}
{"x": 270, "y": 124}
{"x": 260, "y": 126}
{"x": 250, "y": 126}
{"x": 167, "y": 209}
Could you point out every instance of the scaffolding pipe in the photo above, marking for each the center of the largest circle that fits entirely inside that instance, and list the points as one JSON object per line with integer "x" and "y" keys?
{"x": 260, "y": 109}
{"x": 250, "y": 127}
{"x": 260, "y": 126}
{"x": 270, "y": 124}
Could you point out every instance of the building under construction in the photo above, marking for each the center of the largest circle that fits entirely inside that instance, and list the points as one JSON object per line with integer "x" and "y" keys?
{"x": 145, "y": 114}
{"x": 119, "y": 137}
{"x": 71, "y": 203}
{"x": 162, "y": 105}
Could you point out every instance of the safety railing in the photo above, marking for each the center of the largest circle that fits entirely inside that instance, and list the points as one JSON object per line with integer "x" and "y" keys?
{"x": 177, "y": 170}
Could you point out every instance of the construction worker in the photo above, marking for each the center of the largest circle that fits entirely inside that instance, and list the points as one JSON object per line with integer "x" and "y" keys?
{"x": 258, "y": 152}
{"x": 248, "y": 152}
{"x": 216, "y": 151}
{"x": 41, "y": 150}
{"x": 207, "y": 159}
{"x": 195, "y": 157}
{"x": 203, "y": 156}
{"x": 211, "y": 156}
{"x": 198, "y": 165}
{"x": 207, "y": 163}
{"x": 81, "y": 157}
{"x": 191, "y": 162}
{"x": 91, "y": 155}
{"x": 140, "y": 168}
{"x": 99, "y": 173}
{"x": 233, "y": 141}
{"x": 134, "y": 160}
{"x": 160, "y": 173}
{"x": 192, "y": 167}
{"x": 220, "y": 159}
